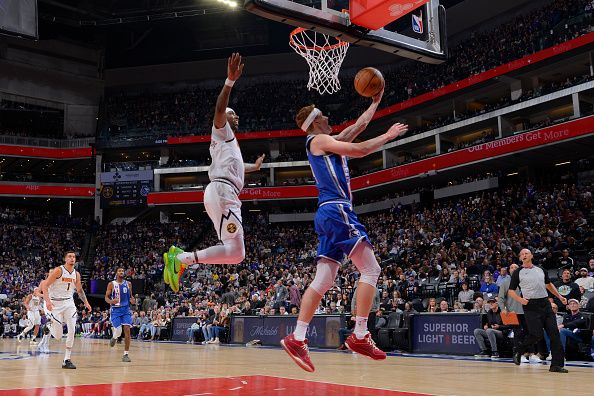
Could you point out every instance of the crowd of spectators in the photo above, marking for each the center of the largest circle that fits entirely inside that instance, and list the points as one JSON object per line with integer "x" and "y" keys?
{"x": 455, "y": 252}
{"x": 33, "y": 242}
{"x": 188, "y": 112}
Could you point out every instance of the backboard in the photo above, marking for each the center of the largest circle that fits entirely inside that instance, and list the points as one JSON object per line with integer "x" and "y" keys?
{"x": 417, "y": 33}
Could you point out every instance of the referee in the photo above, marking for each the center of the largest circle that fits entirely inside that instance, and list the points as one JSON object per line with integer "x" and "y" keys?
{"x": 534, "y": 283}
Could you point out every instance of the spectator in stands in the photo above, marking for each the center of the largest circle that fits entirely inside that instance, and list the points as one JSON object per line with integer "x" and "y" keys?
{"x": 411, "y": 288}
{"x": 194, "y": 331}
{"x": 443, "y": 306}
{"x": 136, "y": 323}
{"x": 573, "y": 322}
{"x": 492, "y": 331}
{"x": 565, "y": 261}
{"x": 478, "y": 305}
{"x": 380, "y": 322}
{"x": 432, "y": 306}
{"x": 488, "y": 288}
{"x": 465, "y": 296}
{"x": 281, "y": 294}
{"x": 584, "y": 280}
{"x": 503, "y": 277}
{"x": 220, "y": 326}
{"x": 567, "y": 288}
{"x": 294, "y": 294}
{"x": 157, "y": 325}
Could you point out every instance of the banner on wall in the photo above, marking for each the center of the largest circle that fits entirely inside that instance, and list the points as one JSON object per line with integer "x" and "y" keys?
{"x": 270, "y": 330}
{"x": 448, "y": 333}
{"x": 180, "y": 326}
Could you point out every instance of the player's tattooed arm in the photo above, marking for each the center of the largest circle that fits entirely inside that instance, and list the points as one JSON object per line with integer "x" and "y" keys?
{"x": 255, "y": 167}
{"x": 81, "y": 292}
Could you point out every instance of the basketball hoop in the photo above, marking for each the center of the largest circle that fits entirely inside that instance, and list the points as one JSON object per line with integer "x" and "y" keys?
{"x": 323, "y": 57}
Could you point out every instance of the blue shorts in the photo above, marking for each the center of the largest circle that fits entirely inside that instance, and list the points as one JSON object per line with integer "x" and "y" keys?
{"x": 339, "y": 231}
{"x": 120, "y": 316}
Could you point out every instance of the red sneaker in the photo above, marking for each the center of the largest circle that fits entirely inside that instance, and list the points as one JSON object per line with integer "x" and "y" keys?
{"x": 365, "y": 347}
{"x": 299, "y": 352}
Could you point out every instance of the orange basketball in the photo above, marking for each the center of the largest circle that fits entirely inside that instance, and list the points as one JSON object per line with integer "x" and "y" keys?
{"x": 369, "y": 82}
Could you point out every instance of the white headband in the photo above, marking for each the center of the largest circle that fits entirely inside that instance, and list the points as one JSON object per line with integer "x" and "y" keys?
{"x": 229, "y": 110}
{"x": 310, "y": 118}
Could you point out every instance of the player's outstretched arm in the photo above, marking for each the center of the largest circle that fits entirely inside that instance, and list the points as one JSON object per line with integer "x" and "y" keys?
{"x": 234, "y": 70}
{"x": 254, "y": 167}
{"x": 327, "y": 144}
{"x": 351, "y": 132}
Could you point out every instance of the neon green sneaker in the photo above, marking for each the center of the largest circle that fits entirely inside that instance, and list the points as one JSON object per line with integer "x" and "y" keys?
{"x": 174, "y": 268}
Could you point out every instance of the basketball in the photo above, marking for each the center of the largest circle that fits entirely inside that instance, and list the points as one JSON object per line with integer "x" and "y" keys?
{"x": 369, "y": 82}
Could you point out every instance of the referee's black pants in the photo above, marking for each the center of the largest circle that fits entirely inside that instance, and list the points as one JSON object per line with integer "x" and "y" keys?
{"x": 521, "y": 331}
{"x": 540, "y": 317}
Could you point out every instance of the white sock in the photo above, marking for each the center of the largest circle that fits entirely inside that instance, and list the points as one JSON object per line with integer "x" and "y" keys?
{"x": 125, "y": 353}
{"x": 360, "y": 327}
{"x": 187, "y": 258}
{"x": 67, "y": 354}
{"x": 300, "y": 330}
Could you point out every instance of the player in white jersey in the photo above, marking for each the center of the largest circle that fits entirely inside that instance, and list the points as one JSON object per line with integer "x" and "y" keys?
{"x": 221, "y": 196}
{"x": 33, "y": 304}
{"x": 58, "y": 291}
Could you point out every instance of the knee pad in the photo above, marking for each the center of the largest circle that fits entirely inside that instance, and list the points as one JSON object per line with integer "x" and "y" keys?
{"x": 46, "y": 330}
{"x": 364, "y": 260}
{"x": 325, "y": 274}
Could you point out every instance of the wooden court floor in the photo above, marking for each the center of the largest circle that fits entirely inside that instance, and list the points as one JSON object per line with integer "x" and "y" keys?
{"x": 180, "y": 369}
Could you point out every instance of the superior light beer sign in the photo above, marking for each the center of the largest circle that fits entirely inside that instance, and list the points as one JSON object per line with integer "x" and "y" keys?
{"x": 451, "y": 333}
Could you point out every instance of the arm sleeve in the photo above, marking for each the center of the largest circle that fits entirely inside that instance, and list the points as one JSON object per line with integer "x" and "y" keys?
{"x": 546, "y": 277}
{"x": 223, "y": 134}
{"x": 515, "y": 279}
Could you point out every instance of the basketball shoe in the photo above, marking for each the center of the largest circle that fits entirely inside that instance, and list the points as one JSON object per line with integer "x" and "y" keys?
{"x": 174, "y": 268}
{"x": 365, "y": 347}
{"x": 68, "y": 365}
{"x": 299, "y": 352}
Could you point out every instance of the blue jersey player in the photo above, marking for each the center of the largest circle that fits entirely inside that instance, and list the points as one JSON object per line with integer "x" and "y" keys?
{"x": 119, "y": 296}
{"x": 337, "y": 226}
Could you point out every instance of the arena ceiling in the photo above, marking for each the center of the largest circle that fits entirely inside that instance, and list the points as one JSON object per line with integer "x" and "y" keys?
{"x": 141, "y": 32}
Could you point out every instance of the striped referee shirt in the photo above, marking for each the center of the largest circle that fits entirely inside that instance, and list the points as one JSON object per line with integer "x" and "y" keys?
{"x": 532, "y": 282}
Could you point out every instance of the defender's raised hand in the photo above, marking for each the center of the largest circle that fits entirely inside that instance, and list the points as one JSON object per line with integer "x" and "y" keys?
{"x": 234, "y": 66}
{"x": 396, "y": 130}
{"x": 260, "y": 160}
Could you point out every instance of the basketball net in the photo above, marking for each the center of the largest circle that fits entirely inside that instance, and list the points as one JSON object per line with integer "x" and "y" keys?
{"x": 323, "y": 57}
